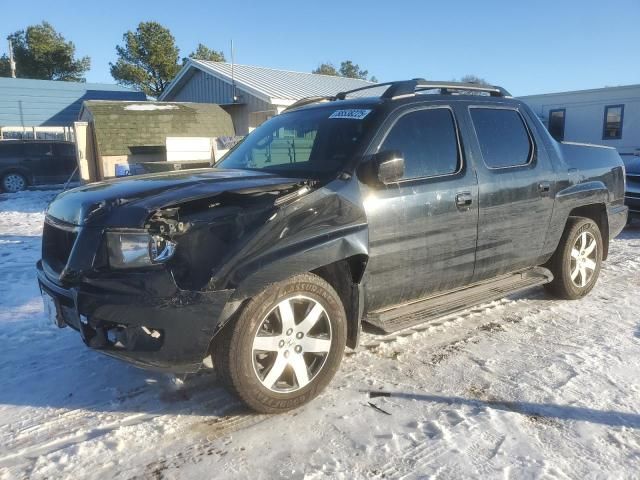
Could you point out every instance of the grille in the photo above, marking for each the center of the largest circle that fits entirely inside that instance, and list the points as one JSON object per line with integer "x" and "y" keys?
{"x": 56, "y": 246}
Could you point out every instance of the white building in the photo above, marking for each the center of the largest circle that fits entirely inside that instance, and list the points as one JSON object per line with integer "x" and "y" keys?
{"x": 604, "y": 116}
{"x": 250, "y": 94}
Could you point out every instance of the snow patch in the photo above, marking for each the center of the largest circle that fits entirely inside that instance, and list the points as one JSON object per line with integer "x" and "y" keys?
{"x": 149, "y": 107}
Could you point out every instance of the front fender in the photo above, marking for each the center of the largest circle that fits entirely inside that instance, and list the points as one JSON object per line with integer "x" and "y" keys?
{"x": 292, "y": 260}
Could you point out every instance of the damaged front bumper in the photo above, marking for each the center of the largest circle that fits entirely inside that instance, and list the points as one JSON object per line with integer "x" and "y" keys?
{"x": 142, "y": 317}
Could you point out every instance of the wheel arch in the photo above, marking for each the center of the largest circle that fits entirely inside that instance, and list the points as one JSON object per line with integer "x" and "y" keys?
{"x": 345, "y": 277}
{"x": 598, "y": 213}
{"x": 340, "y": 261}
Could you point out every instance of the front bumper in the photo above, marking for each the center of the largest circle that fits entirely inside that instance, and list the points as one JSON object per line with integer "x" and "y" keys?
{"x": 142, "y": 318}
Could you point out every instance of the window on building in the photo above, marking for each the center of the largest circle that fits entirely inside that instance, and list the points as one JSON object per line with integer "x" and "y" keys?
{"x": 428, "y": 141}
{"x": 556, "y": 123}
{"x": 613, "y": 116}
{"x": 503, "y": 137}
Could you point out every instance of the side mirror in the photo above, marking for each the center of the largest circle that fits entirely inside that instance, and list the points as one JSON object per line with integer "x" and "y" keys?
{"x": 384, "y": 168}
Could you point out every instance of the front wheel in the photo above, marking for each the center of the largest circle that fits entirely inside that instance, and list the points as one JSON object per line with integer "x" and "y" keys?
{"x": 577, "y": 261}
{"x": 285, "y": 346}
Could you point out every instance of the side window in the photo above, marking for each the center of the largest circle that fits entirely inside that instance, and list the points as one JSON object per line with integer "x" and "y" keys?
{"x": 503, "y": 137}
{"x": 556, "y": 123}
{"x": 38, "y": 149}
{"x": 8, "y": 149}
{"x": 613, "y": 115}
{"x": 65, "y": 150}
{"x": 427, "y": 139}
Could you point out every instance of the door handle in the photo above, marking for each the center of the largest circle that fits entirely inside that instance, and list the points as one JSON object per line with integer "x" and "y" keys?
{"x": 544, "y": 187}
{"x": 463, "y": 199}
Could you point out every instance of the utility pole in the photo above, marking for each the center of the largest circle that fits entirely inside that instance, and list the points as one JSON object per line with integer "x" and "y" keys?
{"x": 12, "y": 62}
{"x": 233, "y": 80}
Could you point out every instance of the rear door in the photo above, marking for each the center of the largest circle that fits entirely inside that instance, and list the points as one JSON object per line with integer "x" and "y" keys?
{"x": 422, "y": 230}
{"x": 39, "y": 158}
{"x": 516, "y": 182}
{"x": 65, "y": 158}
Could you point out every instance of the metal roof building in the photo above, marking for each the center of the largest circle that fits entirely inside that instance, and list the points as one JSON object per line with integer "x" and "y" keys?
{"x": 51, "y": 106}
{"x": 252, "y": 94}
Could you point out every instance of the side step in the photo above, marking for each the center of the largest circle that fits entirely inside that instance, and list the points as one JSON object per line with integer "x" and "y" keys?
{"x": 420, "y": 311}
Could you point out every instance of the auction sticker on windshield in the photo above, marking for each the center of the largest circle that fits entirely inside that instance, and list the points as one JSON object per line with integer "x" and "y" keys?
{"x": 351, "y": 113}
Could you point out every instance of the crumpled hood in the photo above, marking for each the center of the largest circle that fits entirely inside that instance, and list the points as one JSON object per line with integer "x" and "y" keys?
{"x": 102, "y": 203}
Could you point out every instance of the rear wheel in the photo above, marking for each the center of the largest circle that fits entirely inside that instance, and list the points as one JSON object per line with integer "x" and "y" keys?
{"x": 577, "y": 261}
{"x": 285, "y": 346}
{"x": 13, "y": 182}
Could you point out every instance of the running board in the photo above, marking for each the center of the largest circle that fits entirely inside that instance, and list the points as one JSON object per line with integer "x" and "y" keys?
{"x": 421, "y": 311}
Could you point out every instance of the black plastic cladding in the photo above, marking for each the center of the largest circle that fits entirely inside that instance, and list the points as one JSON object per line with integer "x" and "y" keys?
{"x": 236, "y": 239}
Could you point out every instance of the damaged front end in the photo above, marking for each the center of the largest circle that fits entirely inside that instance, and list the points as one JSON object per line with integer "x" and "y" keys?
{"x": 141, "y": 278}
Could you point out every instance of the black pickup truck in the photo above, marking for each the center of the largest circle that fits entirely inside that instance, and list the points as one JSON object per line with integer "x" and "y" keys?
{"x": 387, "y": 211}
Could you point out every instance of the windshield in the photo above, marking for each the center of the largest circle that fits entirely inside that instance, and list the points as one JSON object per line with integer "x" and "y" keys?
{"x": 314, "y": 143}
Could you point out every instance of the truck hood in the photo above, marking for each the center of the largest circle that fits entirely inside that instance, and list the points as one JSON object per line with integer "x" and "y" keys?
{"x": 99, "y": 204}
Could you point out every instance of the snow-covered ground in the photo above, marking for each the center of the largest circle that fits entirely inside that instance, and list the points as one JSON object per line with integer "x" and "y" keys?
{"x": 527, "y": 387}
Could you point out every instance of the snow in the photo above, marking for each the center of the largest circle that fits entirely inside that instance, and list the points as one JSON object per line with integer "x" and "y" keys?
{"x": 144, "y": 107}
{"x": 525, "y": 387}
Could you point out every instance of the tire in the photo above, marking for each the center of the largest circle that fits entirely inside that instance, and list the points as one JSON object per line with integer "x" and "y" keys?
{"x": 13, "y": 182}
{"x": 270, "y": 357}
{"x": 571, "y": 281}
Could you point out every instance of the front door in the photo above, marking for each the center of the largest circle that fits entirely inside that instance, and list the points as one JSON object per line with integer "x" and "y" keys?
{"x": 516, "y": 184}
{"x": 422, "y": 230}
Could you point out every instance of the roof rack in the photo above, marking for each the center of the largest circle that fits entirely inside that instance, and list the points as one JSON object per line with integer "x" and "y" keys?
{"x": 307, "y": 100}
{"x": 405, "y": 88}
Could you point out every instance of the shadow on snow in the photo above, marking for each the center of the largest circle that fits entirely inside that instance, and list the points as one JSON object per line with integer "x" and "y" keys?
{"x": 536, "y": 410}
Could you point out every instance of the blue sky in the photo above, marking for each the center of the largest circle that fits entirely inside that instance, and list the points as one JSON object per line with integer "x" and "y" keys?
{"x": 527, "y": 47}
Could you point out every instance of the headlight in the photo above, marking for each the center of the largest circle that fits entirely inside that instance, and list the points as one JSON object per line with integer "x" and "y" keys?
{"x": 138, "y": 249}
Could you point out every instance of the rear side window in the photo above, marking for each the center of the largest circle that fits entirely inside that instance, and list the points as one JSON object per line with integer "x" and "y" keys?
{"x": 503, "y": 137}
{"x": 65, "y": 150}
{"x": 9, "y": 149}
{"x": 427, "y": 139}
{"x": 38, "y": 148}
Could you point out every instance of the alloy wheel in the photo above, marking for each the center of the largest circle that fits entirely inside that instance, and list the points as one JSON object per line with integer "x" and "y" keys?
{"x": 292, "y": 344}
{"x": 584, "y": 257}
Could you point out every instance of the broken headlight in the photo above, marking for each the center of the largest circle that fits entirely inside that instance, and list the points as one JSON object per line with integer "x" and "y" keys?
{"x": 138, "y": 249}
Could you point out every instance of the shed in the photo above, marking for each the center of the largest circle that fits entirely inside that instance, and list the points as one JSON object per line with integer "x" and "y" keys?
{"x": 124, "y": 134}
{"x": 47, "y": 109}
{"x": 250, "y": 94}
